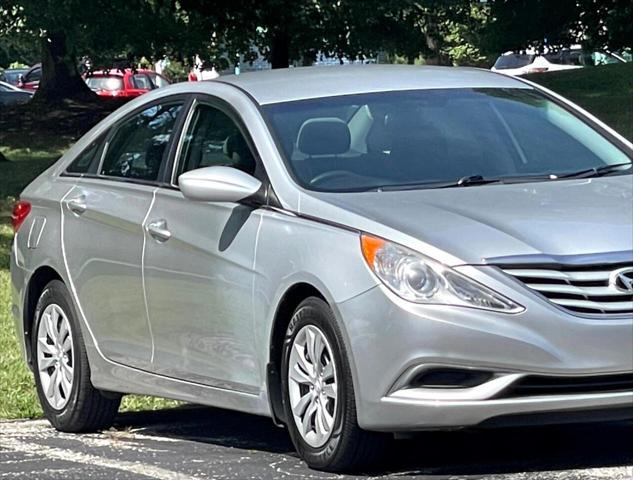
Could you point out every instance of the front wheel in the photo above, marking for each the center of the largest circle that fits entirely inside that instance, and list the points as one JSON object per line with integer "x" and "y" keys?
{"x": 318, "y": 393}
{"x": 62, "y": 373}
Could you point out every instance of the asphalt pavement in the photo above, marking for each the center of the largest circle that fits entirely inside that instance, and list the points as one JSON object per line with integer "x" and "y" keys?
{"x": 205, "y": 443}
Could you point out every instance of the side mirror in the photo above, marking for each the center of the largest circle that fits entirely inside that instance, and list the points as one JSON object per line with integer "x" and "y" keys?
{"x": 218, "y": 184}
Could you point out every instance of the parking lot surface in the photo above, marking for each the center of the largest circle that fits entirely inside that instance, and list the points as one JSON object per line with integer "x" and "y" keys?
{"x": 205, "y": 443}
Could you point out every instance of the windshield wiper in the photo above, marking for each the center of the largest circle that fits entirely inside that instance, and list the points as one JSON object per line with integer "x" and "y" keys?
{"x": 596, "y": 171}
{"x": 462, "y": 182}
{"x": 470, "y": 181}
{"x": 474, "y": 180}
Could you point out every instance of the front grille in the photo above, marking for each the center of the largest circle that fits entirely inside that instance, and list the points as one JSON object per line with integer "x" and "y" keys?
{"x": 541, "y": 385}
{"x": 583, "y": 289}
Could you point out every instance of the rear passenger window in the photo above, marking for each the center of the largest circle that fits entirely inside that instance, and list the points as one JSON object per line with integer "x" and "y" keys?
{"x": 213, "y": 139}
{"x": 84, "y": 160}
{"x": 139, "y": 146}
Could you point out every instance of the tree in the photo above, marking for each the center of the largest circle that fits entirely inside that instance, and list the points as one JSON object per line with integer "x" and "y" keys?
{"x": 597, "y": 24}
{"x": 450, "y": 30}
{"x": 605, "y": 24}
{"x": 286, "y": 31}
{"x": 521, "y": 24}
{"x": 14, "y": 47}
{"x": 101, "y": 29}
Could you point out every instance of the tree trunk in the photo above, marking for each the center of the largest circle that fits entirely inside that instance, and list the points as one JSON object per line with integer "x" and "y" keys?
{"x": 280, "y": 50}
{"x": 308, "y": 58}
{"x": 60, "y": 78}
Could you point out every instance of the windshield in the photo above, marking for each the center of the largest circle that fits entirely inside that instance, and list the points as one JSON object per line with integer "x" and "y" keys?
{"x": 369, "y": 141}
{"x": 513, "y": 60}
{"x": 109, "y": 83}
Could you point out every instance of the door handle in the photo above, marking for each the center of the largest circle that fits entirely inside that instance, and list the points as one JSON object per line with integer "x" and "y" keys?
{"x": 158, "y": 229}
{"x": 77, "y": 205}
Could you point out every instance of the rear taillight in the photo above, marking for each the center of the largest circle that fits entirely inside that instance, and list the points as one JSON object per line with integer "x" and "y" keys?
{"x": 21, "y": 210}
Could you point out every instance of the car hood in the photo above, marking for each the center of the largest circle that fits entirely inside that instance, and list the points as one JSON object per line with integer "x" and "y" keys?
{"x": 475, "y": 224}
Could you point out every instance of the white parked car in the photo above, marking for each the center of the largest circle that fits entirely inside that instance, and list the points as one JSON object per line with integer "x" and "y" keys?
{"x": 513, "y": 63}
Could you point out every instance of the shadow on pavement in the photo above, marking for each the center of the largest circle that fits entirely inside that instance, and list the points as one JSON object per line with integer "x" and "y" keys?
{"x": 468, "y": 452}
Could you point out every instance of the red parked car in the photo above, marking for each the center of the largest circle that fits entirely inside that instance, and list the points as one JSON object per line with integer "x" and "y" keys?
{"x": 31, "y": 79}
{"x": 124, "y": 83}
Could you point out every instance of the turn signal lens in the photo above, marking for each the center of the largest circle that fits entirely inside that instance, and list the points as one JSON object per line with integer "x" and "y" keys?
{"x": 370, "y": 246}
{"x": 21, "y": 210}
{"x": 419, "y": 279}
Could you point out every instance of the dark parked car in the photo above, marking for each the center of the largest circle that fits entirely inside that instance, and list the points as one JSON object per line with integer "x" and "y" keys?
{"x": 12, "y": 75}
{"x": 10, "y": 95}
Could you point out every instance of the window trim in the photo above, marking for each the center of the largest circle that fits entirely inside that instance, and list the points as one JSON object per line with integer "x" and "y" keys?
{"x": 176, "y": 160}
{"x": 226, "y": 108}
{"x": 94, "y": 163}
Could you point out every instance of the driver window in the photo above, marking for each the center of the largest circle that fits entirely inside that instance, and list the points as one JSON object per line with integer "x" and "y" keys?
{"x": 213, "y": 139}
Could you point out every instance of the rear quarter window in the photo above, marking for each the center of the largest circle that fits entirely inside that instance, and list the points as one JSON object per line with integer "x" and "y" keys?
{"x": 85, "y": 160}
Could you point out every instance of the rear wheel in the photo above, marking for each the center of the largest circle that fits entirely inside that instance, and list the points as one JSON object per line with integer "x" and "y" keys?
{"x": 318, "y": 393}
{"x": 62, "y": 373}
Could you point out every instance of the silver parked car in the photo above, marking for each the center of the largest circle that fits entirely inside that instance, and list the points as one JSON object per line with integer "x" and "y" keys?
{"x": 352, "y": 251}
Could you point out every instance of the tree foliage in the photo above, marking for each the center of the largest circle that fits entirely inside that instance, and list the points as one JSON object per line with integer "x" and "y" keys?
{"x": 294, "y": 31}
{"x": 101, "y": 29}
{"x": 597, "y": 24}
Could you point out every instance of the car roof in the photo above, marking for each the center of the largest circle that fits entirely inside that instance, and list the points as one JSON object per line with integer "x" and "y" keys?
{"x": 118, "y": 72}
{"x": 283, "y": 85}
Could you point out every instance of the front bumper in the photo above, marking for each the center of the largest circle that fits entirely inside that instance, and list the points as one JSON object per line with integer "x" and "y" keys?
{"x": 389, "y": 338}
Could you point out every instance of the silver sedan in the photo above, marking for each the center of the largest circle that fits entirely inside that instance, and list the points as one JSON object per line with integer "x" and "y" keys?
{"x": 354, "y": 252}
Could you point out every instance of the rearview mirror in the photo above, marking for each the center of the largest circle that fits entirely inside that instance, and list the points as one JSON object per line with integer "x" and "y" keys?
{"x": 218, "y": 184}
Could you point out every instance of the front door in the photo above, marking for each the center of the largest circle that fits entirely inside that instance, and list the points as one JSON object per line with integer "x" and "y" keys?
{"x": 199, "y": 267}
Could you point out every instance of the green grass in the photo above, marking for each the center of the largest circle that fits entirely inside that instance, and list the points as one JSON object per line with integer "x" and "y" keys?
{"x": 606, "y": 92}
{"x": 17, "y": 395}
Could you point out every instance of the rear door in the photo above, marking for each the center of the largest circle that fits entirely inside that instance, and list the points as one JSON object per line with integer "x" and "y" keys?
{"x": 103, "y": 235}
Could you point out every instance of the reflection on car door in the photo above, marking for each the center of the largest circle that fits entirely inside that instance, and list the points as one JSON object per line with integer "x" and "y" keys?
{"x": 107, "y": 210}
{"x": 198, "y": 267}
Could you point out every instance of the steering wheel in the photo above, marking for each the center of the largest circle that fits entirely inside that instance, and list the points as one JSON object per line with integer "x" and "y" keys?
{"x": 322, "y": 177}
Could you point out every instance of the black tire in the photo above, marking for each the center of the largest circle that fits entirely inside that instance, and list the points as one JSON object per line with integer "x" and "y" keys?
{"x": 349, "y": 448}
{"x": 87, "y": 409}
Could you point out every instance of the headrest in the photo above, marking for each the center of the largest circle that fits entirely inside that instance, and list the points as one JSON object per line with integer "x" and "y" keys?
{"x": 324, "y": 136}
{"x": 236, "y": 148}
{"x": 235, "y": 144}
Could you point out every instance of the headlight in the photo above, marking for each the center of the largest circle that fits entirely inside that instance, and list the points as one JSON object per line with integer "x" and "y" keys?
{"x": 419, "y": 279}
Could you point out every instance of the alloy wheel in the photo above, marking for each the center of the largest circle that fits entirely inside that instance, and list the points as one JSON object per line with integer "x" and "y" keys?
{"x": 55, "y": 358}
{"x": 312, "y": 385}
